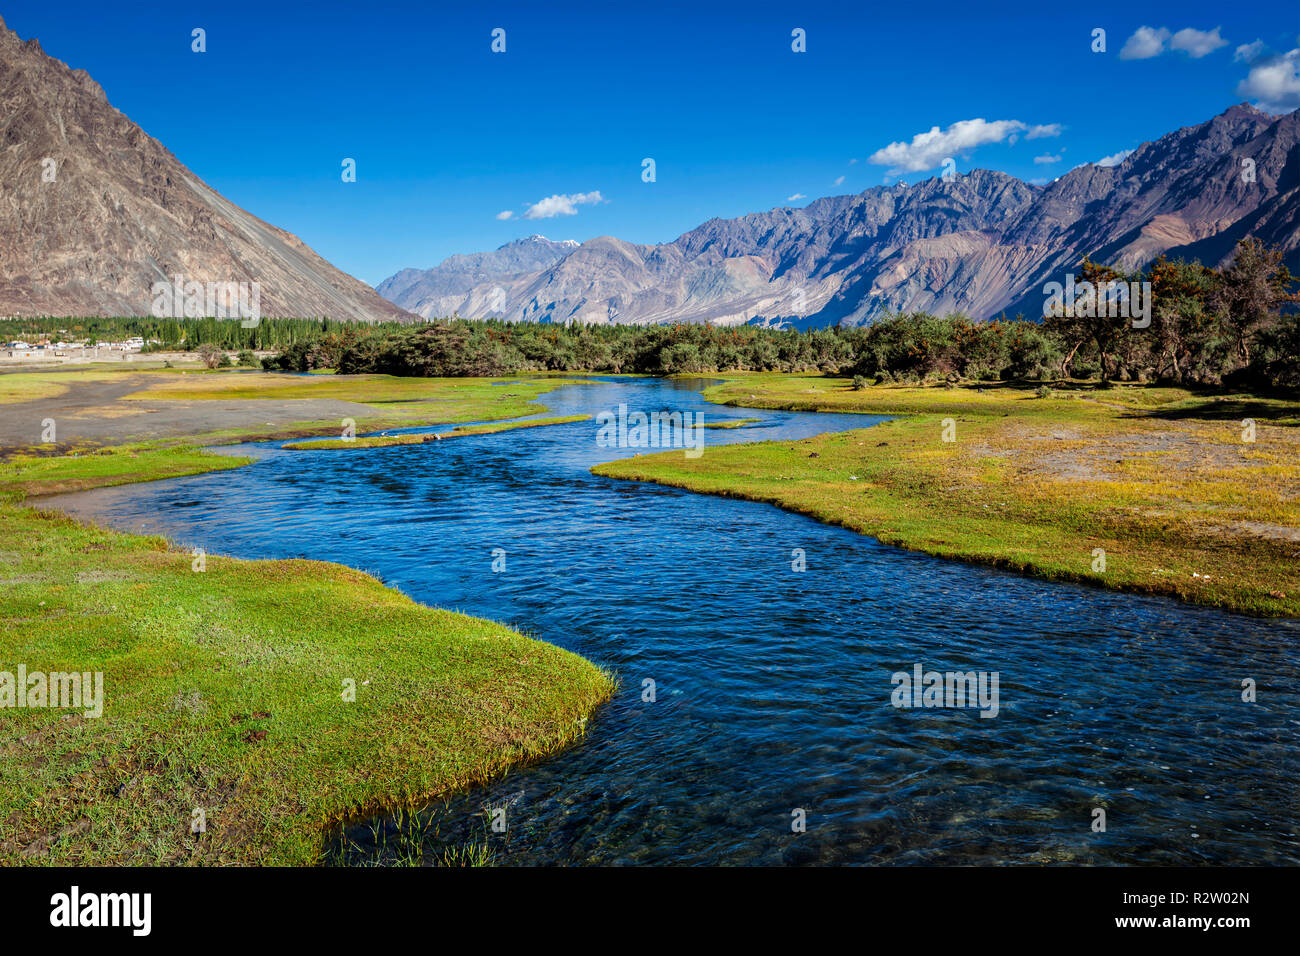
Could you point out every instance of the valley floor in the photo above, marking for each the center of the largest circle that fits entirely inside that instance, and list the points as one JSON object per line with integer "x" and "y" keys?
{"x": 248, "y": 706}
{"x": 229, "y": 690}
{"x": 1145, "y": 489}
{"x": 111, "y": 406}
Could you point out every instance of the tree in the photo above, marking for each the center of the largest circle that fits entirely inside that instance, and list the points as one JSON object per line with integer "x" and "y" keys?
{"x": 1088, "y": 321}
{"x": 210, "y": 355}
{"x": 1188, "y": 332}
{"x": 681, "y": 357}
{"x": 1251, "y": 291}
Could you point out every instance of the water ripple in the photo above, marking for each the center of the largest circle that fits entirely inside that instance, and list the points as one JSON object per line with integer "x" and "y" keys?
{"x": 773, "y": 687}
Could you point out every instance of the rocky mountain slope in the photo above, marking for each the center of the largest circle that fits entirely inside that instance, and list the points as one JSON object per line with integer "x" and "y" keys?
{"x": 94, "y": 211}
{"x": 981, "y": 244}
{"x": 457, "y": 285}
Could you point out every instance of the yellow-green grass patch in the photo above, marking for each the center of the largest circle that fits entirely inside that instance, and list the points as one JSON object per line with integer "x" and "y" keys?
{"x": 226, "y": 686}
{"x": 1159, "y": 479}
{"x": 36, "y": 385}
{"x": 385, "y": 441}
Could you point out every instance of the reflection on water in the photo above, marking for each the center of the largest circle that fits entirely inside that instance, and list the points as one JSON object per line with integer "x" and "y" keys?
{"x": 772, "y": 687}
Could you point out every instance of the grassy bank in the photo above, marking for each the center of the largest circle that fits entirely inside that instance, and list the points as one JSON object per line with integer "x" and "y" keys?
{"x": 1159, "y": 479}
{"x": 463, "y": 430}
{"x": 225, "y": 688}
{"x": 391, "y": 402}
{"x": 24, "y": 476}
{"x": 225, "y": 406}
{"x": 384, "y": 441}
{"x": 27, "y": 386}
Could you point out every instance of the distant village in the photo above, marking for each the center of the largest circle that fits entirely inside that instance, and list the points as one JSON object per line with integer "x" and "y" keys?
{"x": 45, "y": 350}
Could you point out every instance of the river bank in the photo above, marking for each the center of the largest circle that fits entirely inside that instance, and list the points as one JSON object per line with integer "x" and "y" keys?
{"x": 735, "y": 713}
{"x": 248, "y": 706}
{"x": 1144, "y": 489}
{"x": 225, "y": 406}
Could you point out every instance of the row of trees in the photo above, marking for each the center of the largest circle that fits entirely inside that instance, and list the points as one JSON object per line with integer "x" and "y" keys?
{"x": 174, "y": 334}
{"x": 1207, "y": 326}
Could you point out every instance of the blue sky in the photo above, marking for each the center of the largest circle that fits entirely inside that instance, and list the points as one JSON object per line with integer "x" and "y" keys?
{"x": 448, "y": 135}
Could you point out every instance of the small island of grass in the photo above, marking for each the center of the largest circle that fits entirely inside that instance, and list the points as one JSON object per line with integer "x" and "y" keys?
{"x": 386, "y": 441}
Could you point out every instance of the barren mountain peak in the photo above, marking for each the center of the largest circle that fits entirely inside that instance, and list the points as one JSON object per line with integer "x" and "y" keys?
{"x": 98, "y": 212}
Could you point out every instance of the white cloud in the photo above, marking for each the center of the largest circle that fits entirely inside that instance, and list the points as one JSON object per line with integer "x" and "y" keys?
{"x": 1045, "y": 159}
{"x": 839, "y": 181}
{"x": 928, "y": 150}
{"x": 795, "y": 198}
{"x": 1249, "y": 52}
{"x": 1115, "y": 158}
{"x": 1274, "y": 83}
{"x": 853, "y": 162}
{"x": 1197, "y": 43}
{"x": 561, "y": 205}
{"x": 1145, "y": 43}
{"x": 1044, "y": 131}
{"x": 506, "y": 214}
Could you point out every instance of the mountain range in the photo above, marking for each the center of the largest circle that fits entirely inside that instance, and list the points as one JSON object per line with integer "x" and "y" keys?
{"x": 95, "y": 211}
{"x": 982, "y": 243}
{"x": 467, "y": 283}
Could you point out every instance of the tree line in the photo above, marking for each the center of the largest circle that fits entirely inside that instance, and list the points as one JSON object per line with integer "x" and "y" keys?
{"x": 1234, "y": 326}
{"x": 167, "y": 335}
{"x": 1207, "y": 327}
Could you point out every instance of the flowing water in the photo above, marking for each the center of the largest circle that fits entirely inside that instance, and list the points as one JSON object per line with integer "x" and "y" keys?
{"x": 772, "y": 687}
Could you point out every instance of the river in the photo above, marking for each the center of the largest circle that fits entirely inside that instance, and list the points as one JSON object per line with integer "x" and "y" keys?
{"x": 772, "y": 686}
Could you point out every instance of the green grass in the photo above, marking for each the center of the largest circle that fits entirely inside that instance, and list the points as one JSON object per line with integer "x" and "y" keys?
{"x": 511, "y": 426}
{"x": 38, "y": 384}
{"x": 408, "y": 839}
{"x": 390, "y": 402}
{"x": 28, "y": 475}
{"x": 385, "y": 441}
{"x": 733, "y": 423}
{"x": 224, "y": 689}
{"x": 1159, "y": 479}
{"x": 365, "y": 441}
{"x": 395, "y": 402}
{"x": 225, "y": 384}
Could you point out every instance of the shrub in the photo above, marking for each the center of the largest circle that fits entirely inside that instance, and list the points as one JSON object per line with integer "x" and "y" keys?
{"x": 211, "y": 356}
